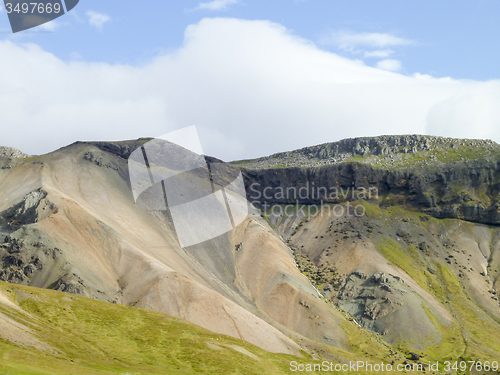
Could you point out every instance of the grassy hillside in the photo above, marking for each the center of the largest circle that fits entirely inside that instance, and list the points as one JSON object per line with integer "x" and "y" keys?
{"x": 83, "y": 336}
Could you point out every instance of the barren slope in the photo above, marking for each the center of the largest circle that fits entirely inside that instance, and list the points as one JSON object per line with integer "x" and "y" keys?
{"x": 70, "y": 223}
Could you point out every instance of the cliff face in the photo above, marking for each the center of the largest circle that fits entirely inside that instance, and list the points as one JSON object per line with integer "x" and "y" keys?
{"x": 446, "y": 178}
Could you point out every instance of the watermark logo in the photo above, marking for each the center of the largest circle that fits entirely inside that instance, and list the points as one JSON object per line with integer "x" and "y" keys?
{"x": 205, "y": 199}
{"x": 25, "y": 14}
{"x": 308, "y": 200}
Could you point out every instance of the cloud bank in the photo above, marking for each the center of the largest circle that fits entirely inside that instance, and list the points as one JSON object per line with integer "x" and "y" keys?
{"x": 389, "y": 64}
{"x": 251, "y": 87}
{"x": 96, "y": 19}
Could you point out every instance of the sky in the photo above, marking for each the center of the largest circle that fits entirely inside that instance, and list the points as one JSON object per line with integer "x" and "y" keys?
{"x": 254, "y": 77}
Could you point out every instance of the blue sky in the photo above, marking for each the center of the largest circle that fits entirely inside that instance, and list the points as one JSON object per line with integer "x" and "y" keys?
{"x": 416, "y": 64}
{"x": 450, "y": 38}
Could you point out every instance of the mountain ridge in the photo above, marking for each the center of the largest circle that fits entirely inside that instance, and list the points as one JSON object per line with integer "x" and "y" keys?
{"x": 345, "y": 149}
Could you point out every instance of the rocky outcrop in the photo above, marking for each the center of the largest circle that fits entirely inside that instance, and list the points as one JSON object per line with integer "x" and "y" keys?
{"x": 26, "y": 254}
{"x": 99, "y": 159}
{"x": 122, "y": 149}
{"x": 9, "y": 152}
{"x": 34, "y": 207}
{"x": 369, "y": 298}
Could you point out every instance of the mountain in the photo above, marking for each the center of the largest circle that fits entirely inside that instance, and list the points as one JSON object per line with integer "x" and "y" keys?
{"x": 367, "y": 248}
{"x": 420, "y": 263}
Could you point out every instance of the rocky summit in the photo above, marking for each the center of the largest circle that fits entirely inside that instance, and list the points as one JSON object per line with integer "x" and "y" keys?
{"x": 379, "y": 249}
{"x": 387, "y": 150}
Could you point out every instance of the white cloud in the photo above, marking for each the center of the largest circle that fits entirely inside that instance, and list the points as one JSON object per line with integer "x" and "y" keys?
{"x": 216, "y": 5}
{"x": 471, "y": 112}
{"x": 251, "y": 87}
{"x": 389, "y": 64}
{"x": 348, "y": 40}
{"x": 49, "y": 26}
{"x": 96, "y": 19}
{"x": 380, "y": 53}
{"x": 370, "y": 45}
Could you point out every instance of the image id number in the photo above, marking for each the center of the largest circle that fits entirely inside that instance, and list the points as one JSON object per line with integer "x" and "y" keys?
{"x": 33, "y": 7}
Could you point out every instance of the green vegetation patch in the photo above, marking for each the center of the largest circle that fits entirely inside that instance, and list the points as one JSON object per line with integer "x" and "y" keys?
{"x": 94, "y": 337}
{"x": 394, "y": 253}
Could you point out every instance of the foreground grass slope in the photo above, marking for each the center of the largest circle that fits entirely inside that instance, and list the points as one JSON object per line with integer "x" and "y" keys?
{"x": 83, "y": 336}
